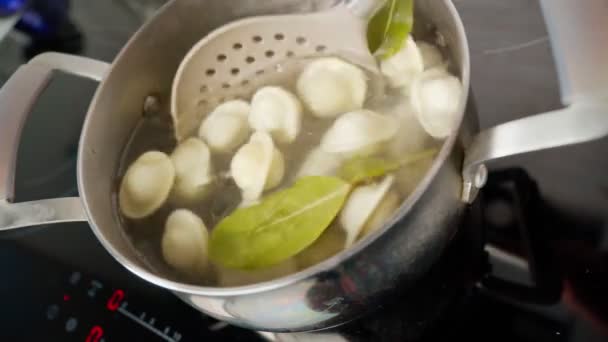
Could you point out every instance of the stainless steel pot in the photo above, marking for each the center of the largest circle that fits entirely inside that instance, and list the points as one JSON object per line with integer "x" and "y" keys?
{"x": 395, "y": 256}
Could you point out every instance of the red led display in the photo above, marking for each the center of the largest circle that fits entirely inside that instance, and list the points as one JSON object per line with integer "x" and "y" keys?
{"x": 115, "y": 299}
{"x": 66, "y": 298}
{"x": 95, "y": 334}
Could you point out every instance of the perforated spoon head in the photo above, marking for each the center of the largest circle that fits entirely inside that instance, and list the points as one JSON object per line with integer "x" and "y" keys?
{"x": 238, "y": 58}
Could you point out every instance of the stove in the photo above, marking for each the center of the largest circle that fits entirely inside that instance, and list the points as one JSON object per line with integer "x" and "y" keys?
{"x": 60, "y": 284}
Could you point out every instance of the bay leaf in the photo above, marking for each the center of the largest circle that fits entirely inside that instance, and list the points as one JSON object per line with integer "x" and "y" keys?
{"x": 280, "y": 226}
{"x": 361, "y": 169}
{"x": 389, "y": 28}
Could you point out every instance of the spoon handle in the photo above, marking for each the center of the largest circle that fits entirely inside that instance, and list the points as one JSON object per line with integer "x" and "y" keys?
{"x": 365, "y": 9}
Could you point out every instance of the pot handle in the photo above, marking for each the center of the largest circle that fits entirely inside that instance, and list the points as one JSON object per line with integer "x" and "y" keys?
{"x": 17, "y": 98}
{"x": 579, "y": 35}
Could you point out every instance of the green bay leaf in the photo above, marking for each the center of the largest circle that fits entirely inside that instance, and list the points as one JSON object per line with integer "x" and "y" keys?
{"x": 280, "y": 226}
{"x": 361, "y": 169}
{"x": 388, "y": 30}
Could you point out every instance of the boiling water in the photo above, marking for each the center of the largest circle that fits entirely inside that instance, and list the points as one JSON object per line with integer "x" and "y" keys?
{"x": 156, "y": 133}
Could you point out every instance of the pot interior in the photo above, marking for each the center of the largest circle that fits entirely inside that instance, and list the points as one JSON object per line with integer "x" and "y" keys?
{"x": 146, "y": 67}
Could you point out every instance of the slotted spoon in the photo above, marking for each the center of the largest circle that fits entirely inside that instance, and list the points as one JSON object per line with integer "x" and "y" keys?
{"x": 235, "y": 59}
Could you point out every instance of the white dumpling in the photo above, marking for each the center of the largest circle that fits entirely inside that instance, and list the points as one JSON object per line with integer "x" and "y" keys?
{"x": 146, "y": 185}
{"x": 276, "y": 111}
{"x": 409, "y": 176}
{"x": 192, "y": 161}
{"x": 360, "y": 205}
{"x": 231, "y": 277}
{"x": 358, "y": 132}
{"x": 319, "y": 163}
{"x": 385, "y": 210}
{"x": 412, "y": 137}
{"x": 257, "y": 166}
{"x": 330, "y": 87}
{"x": 401, "y": 68}
{"x": 436, "y": 97}
{"x": 431, "y": 56}
{"x": 184, "y": 243}
{"x": 226, "y": 128}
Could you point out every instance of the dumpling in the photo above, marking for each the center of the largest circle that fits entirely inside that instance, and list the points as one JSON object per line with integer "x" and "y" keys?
{"x": 401, "y": 68}
{"x": 359, "y": 132}
{"x": 330, "y": 87}
{"x": 257, "y": 166}
{"x": 431, "y": 56}
{"x": 360, "y": 206}
{"x": 231, "y": 277}
{"x": 185, "y": 243}
{"x": 409, "y": 176}
{"x": 385, "y": 210}
{"x": 319, "y": 163}
{"x": 226, "y": 128}
{"x": 276, "y": 111}
{"x": 412, "y": 137}
{"x": 146, "y": 185}
{"x": 193, "y": 178}
{"x": 436, "y": 97}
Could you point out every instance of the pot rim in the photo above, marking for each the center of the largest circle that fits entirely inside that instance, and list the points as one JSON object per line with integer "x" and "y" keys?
{"x": 325, "y": 265}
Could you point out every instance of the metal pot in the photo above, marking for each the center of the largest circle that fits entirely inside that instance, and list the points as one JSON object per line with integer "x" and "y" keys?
{"x": 346, "y": 285}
